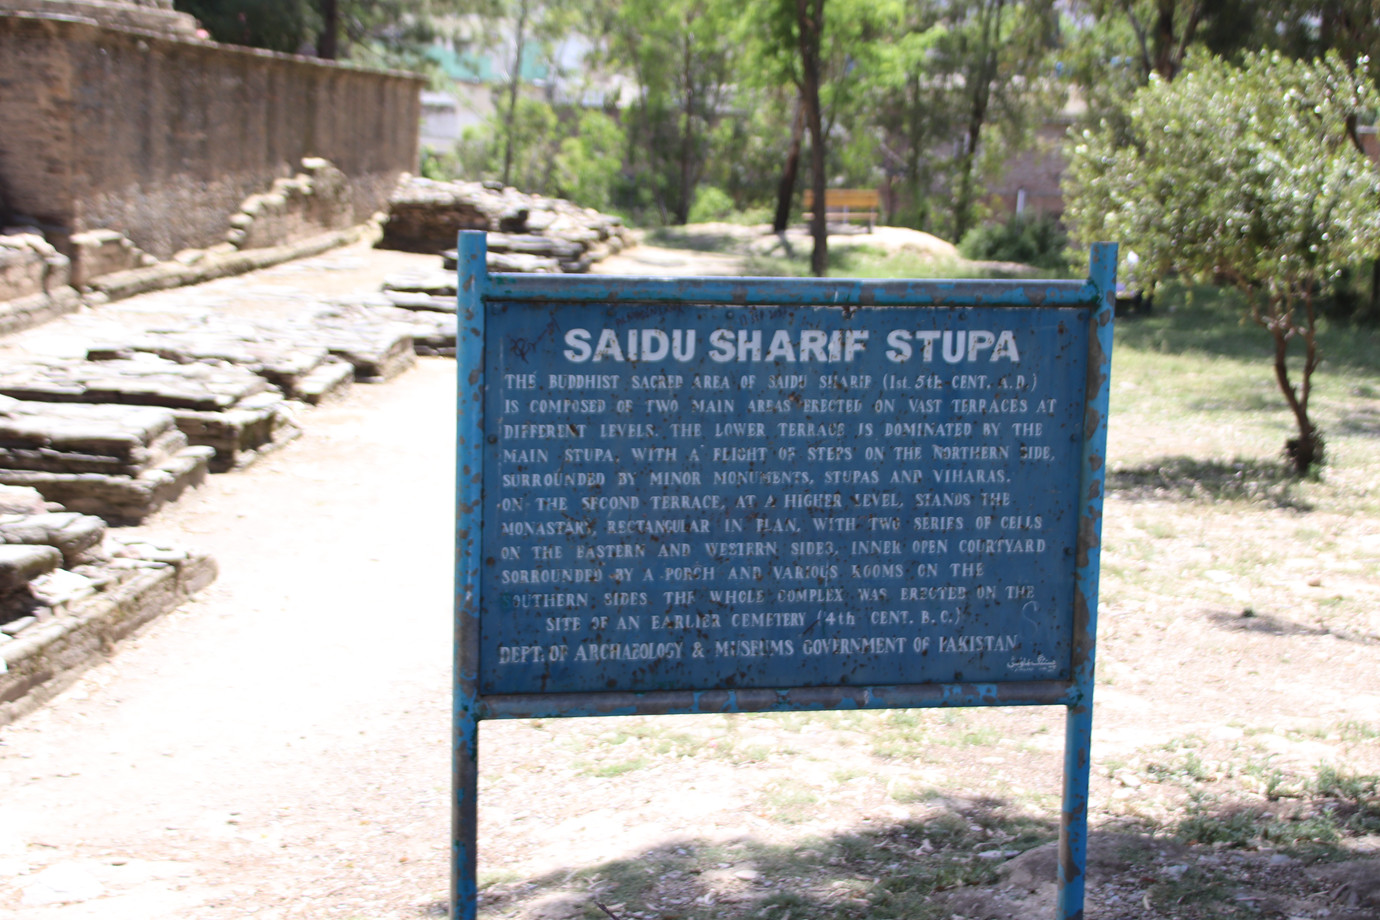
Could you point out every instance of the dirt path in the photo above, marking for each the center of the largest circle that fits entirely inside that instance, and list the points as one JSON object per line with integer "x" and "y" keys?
{"x": 282, "y": 742}
{"x": 279, "y": 748}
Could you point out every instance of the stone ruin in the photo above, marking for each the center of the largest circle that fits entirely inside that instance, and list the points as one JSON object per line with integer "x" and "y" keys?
{"x": 301, "y": 215}
{"x": 112, "y": 436}
{"x": 143, "y": 417}
{"x": 527, "y": 233}
{"x": 156, "y": 16}
{"x": 70, "y": 589}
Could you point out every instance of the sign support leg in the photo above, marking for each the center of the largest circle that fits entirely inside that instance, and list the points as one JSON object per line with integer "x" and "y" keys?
{"x": 469, "y": 497}
{"x": 1073, "y": 816}
{"x": 464, "y": 889}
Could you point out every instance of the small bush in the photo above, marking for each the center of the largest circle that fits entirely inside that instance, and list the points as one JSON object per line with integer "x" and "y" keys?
{"x": 711, "y": 203}
{"x": 1037, "y": 241}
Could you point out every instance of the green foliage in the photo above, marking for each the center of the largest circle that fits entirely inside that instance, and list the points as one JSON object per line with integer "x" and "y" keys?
{"x": 532, "y": 132}
{"x": 277, "y": 25}
{"x": 373, "y": 32}
{"x": 1242, "y": 174}
{"x": 1037, "y": 241}
{"x": 1247, "y": 175}
{"x": 589, "y": 161}
{"x": 440, "y": 165}
{"x": 711, "y": 204}
{"x": 680, "y": 55}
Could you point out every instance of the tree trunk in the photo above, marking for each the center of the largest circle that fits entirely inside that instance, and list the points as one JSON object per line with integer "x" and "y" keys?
{"x": 516, "y": 78}
{"x": 327, "y": 42}
{"x": 785, "y": 189}
{"x": 1373, "y": 310}
{"x": 979, "y": 99}
{"x": 687, "y": 132}
{"x": 1164, "y": 63}
{"x": 810, "y": 21}
{"x": 1307, "y": 449}
{"x": 963, "y": 200}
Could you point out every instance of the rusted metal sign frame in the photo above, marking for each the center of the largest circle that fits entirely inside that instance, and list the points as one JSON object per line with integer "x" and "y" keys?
{"x": 476, "y": 287}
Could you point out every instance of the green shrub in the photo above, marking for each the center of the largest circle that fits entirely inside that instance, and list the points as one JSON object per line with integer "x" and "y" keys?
{"x": 711, "y": 203}
{"x": 1037, "y": 241}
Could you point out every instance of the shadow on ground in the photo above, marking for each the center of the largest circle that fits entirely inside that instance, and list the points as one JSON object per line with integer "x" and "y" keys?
{"x": 1252, "y": 621}
{"x": 980, "y": 860}
{"x": 720, "y": 241}
{"x": 1192, "y": 479}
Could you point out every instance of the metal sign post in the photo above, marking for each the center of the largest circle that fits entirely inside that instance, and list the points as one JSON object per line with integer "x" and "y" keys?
{"x": 747, "y": 495}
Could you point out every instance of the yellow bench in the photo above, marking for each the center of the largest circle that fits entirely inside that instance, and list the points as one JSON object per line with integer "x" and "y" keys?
{"x": 844, "y": 204}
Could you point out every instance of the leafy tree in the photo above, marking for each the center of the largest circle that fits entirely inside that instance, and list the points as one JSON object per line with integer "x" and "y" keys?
{"x": 821, "y": 51}
{"x": 383, "y": 32}
{"x": 809, "y": 33}
{"x": 534, "y": 24}
{"x": 276, "y": 25}
{"x": 1161, "y": 33}
{"x": 1248, "y": 176}
{"x": 517, "y": 150}
{"x": 991, "y": 55}
{"x": 589, "y": 161}
{"x": 680, "y": 55}
{"x": 955, "y": 87}
{"x": 910, "y": 111}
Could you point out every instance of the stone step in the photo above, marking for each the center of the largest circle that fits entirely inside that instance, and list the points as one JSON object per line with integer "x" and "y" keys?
{"x": 119, "y": 499}
{"x": 257, "y": 350}
{"x": 150, "y": 382}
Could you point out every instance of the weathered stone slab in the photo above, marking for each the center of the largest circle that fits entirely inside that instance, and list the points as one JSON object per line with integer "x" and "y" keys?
{"x": 29, "y": 264}
{"x": 280, "y": 363}
{"x": 17, "y": 501}
{"x": 142, "y": 457}
{"x": 22, "y": 563}
{"x": 526, "y": 232}
{"x": 434, "y": 284}
{"x": 81, "y": 438}
{"x": 120, "y": 499}
{"x": 329, "y": 380}
{"x": 82, "y": 614}
{"x": 432, "y": 332}
{"x": 378, "y": 350}
{"x": 228, "y": 408}
{"x": 421, "y": 300}
{"x": 239, "y": 434}
{"x": 558, "y": 248}
{"x": 77, "y": 536}
{"x": 151, "y": 382}
{"x": 102, "y": 252}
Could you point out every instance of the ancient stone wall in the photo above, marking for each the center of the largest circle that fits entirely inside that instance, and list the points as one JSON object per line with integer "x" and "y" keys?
{"x": 163, "y": 137}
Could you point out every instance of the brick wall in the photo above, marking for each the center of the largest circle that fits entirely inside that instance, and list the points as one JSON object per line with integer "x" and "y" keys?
{"x": 162, "y": 138}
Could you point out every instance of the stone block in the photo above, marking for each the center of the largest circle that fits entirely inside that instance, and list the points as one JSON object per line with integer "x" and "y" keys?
{"x": 240, "y": 433}
{"x": 76, "y": 536}
{"x": 101, "y": 252}
{"x": 201, "y": 386}
{"x": 120, "y": 499}
{"x": 18, "y": 501}
{"x": 329, "y": 380}
{"x": 22, "y": 563}
{"x": 261, "y": 350}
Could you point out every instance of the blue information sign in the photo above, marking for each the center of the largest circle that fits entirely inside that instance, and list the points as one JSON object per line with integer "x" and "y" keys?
{"x": 748, "y": 494}
{"x": 706, "y": 497}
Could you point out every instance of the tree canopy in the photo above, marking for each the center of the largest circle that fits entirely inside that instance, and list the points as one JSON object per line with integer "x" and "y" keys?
{"x": 1250, "y": 175}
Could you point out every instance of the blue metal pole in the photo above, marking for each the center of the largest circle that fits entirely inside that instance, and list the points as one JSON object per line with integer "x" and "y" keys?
{"x": 1073, "y": 818}
{"x": 469, "y": 498}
